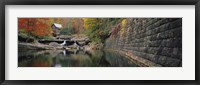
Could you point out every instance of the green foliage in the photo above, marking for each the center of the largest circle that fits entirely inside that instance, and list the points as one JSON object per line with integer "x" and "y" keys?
{"x": 98, "y": 28}
{"x": 21, "y": 31}
{"x": 67, "y": 31}
{"x": 114, "y": 21}
{"x": 47, "y": 37}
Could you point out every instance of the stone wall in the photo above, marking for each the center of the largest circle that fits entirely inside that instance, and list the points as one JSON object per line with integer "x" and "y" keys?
{"x": 155, "y": 39}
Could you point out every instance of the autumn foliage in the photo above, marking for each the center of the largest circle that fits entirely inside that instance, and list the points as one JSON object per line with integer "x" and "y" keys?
{"x": 35, "y": 26}
{"x": 90, "y": 23}
{"x": 97, "y": 29}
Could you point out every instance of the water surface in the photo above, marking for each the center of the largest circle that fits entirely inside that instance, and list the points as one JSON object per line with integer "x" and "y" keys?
{"x": 73, "y": 58}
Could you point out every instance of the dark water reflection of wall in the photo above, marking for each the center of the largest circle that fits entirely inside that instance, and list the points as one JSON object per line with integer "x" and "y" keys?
{"x": 74, "y": 58}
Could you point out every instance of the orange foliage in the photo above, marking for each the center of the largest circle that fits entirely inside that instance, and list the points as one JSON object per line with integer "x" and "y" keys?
{"x": 35, "y": 26}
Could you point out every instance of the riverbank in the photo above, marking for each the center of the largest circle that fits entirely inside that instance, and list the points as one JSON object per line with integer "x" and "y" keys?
{"x": 56, "y": 46}
{"x": 37, "y": 46}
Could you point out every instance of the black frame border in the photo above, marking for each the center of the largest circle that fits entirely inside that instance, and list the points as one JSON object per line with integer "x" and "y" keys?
{"x": 3, "y": 3}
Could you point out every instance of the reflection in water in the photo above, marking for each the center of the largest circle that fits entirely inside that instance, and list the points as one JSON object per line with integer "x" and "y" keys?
{"x": 72, "y": 58}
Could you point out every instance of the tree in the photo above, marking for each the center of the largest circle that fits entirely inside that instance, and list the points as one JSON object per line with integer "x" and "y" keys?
{"x": 90, "y": 23}
{"x": 38, "y": 27}
{"x": 97, "y": 28}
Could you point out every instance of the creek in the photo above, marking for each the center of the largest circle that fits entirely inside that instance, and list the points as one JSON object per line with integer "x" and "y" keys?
{"x": 72, "y": 58}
